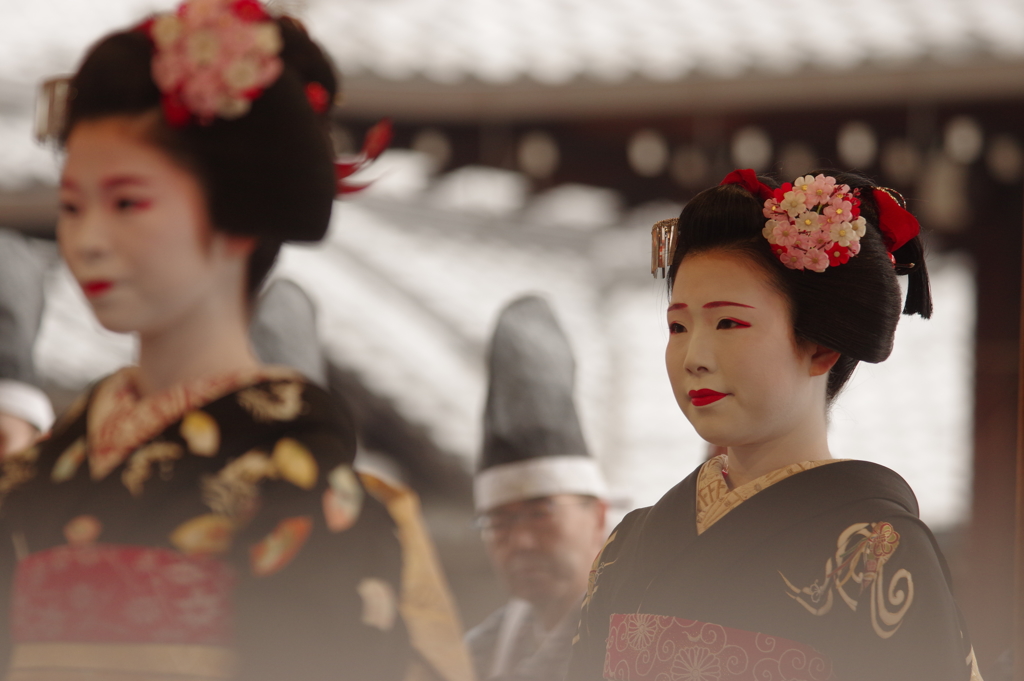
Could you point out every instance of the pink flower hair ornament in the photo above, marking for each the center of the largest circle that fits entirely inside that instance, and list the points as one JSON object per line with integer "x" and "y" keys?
{"x": 813, "y": 223}
{"x": 212, "y": 58}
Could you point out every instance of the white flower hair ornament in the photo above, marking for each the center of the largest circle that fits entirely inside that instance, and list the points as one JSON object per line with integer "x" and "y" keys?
{"x": 212, "y": 58}
{"x": 814, "y": 223}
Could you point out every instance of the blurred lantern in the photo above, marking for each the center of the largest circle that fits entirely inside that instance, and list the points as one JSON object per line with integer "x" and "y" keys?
{"x": 901, "y": 161}
{"x": 689, "y": 167}
{"x": 751, "y": 148}
{"x": 1005, "y": 159}
{"x": 943, "y": 192}
{"x": 482, "y": 190}
{"x": 647, "y": 152}
{"x": 796, "y": 159}
{"x": 857, "y": 145}
{"x": 575, "y": 206}
{"x": 434, "y": 143}
{"x": 538, "y": 154}
{"x": 963, "y": 140}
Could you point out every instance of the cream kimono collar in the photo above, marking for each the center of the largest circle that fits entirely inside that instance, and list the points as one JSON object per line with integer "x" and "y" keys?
{"x": 715, "y": 499}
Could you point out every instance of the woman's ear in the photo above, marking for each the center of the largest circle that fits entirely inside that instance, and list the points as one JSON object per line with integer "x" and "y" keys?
{"x": 822, "y": 360}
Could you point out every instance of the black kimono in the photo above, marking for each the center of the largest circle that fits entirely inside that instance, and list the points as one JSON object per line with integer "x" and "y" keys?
{"x": 825, "y": 574}
{"x": 235, "y": 543}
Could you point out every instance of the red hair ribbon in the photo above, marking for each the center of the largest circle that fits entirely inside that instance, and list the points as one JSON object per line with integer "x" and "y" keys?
{"x": 318, "y": 98}
{"x": 250, "y": 10}
{"x": 376, "y": 141}
{"x": 748, "y": 180}
{"x": 896, "y": 223}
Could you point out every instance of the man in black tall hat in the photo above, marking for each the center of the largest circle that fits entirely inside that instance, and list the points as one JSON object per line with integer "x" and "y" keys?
{"x": 540, "y": 497}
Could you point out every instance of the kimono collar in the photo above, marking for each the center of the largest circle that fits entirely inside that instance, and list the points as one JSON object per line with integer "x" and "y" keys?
{"x": 715, "y": 499}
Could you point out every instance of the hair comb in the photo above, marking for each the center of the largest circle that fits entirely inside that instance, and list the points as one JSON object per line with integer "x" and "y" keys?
{"x": 51, "y": 108}
{"x": 663, "y": 246}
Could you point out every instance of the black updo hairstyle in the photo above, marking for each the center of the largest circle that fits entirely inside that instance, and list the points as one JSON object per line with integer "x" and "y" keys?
{"x": 852, "y": 308}
{"x": 269, "y": 174}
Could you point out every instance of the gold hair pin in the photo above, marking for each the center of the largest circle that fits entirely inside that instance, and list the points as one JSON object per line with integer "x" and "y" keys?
{"x": 896, "y": 196}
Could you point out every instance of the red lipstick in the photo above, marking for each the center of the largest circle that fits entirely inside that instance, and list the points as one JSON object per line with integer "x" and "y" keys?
{"x": 96, "y": 287}
{"x": 701, "y": 397}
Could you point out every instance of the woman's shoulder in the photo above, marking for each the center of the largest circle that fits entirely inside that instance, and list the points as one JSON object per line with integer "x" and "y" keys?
{"x": 642, "y": 530}
{"x": 263, "y": 404}
{"x": 852, "y": 481}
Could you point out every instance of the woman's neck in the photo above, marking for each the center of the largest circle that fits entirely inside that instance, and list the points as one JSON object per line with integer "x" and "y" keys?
{"x": 750, "y": 462}
{"x": 209, "y": 340}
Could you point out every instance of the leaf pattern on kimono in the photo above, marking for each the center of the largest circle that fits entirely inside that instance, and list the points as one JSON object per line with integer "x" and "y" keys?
{"x": 200, "y": 432}
{"x": 69, "y": 461}
{"x": 277, "y": 549}
{"x": 140, "y": 465}
{"x": 16, "y": 469}
{"x": 278, "y": 401}
{"x": 596, "y": 569}
{"x": 234, "y": 490}
{"x": 295, "y": 463}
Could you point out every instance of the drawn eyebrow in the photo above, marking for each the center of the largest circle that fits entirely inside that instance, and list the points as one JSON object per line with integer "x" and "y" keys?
{"x": 724, "y": 303}
{"x": 122, "y": 180}
{"x": 677, "y": 306}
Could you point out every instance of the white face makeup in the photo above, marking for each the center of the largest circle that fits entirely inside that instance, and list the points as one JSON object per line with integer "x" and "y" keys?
{"x": 134, "y": 229}
{"x": 737, "y": 373}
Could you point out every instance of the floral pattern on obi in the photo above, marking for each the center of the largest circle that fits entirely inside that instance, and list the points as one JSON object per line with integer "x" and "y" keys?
{"x": 644, "y": 647}
{"x": 107, "y": 593}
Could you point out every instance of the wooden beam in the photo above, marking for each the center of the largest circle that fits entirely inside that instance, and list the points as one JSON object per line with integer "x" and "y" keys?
{"x": 416, "y": 99}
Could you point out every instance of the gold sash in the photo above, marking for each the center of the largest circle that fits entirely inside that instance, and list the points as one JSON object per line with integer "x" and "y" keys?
{"x": 120, "y": 662}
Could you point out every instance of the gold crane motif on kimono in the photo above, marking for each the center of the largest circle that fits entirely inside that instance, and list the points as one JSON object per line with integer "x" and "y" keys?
{"x": 862, "y": 551}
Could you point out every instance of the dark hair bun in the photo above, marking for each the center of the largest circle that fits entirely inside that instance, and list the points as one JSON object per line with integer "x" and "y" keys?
{"x": 852, "y": 308}
{"x": 268, "y": 174}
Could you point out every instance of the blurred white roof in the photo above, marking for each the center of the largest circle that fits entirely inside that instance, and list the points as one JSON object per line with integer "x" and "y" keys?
{"x": 557, "y": 41}
{"x": 459, "y": 58}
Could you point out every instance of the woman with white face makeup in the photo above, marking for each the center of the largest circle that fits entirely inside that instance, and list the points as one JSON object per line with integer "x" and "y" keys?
{"x": 774, "y": 560}
{"x": 196, "y": 516}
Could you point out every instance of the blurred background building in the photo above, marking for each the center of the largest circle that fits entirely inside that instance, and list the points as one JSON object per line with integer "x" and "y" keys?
{"x": 536, "y": 143}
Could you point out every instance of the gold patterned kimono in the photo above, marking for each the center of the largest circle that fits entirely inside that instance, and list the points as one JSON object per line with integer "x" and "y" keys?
{"x": 212, "y": 531}
{"x": 813, "y": 572}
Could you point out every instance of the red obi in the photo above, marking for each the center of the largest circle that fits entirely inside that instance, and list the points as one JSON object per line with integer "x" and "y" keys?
{"x": 140, "y": 612}
{"x": 642, "y": 647}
